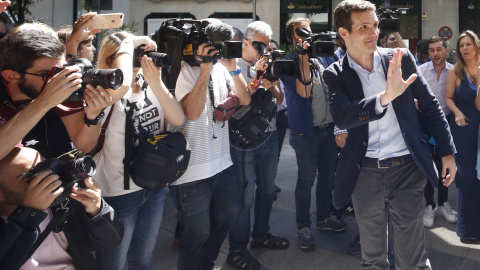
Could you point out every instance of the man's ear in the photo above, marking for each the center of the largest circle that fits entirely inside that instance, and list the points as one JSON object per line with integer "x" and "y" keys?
{"x": 343, "y": 33}
{"x": 447, "y": 50}
{"x": 245, "y": 42}
{"x": 10, "y": 75}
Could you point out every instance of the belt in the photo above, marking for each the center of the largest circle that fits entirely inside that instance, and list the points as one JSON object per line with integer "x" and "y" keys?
{"x": 388, "y": 163}
{"x": 324, "y": 125}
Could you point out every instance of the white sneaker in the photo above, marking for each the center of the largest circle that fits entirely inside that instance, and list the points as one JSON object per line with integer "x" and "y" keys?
{"x": 428, "y": 216}
{"x": 445, "y": 211}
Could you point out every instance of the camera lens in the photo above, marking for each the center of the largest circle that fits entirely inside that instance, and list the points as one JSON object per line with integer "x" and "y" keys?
{"x": 77, "y": 170}
{"x": 160, "y": 59}
{"x": 107, "y": 78}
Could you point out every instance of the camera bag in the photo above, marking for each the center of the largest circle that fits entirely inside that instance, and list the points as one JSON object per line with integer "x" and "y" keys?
{"x": 224, "y": 110}
{"x": 250, "y": 121}
{"x": 158, "y": 160}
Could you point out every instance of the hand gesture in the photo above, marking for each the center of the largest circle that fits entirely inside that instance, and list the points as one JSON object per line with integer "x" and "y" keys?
{"x": 61, "y": 86}
{"x": 262, "y": 64}
{"x": 206, "y": 49}
{"x": 42, "y": 190}
{"x": 90, "y": 197}
{"x": 151, "y": 73}
{"x": 96, "y": 100}
{"x": 4, "y": 5}
{"x": 448, "y": 163}
{"x": 80, "y": 31}
{"x": 395, "y": 83}
{"x": 229, "y": 64}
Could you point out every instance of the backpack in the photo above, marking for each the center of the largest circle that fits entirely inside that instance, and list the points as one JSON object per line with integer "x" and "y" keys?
{"x": 250, "y": 121}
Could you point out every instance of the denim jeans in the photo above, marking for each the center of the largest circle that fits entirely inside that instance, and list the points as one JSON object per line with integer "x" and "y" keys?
{"x": 206, "y": 211}
{"x": 260, "y": 170}
{"x": 316, "y": 152}
{"x": 141, "y": 214}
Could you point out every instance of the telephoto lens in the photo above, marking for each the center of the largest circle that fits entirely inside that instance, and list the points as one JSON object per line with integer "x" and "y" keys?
{"x": 160, "y": 59}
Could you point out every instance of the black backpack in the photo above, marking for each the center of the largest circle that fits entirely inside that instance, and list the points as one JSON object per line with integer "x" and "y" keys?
{"x": 250, "y": 121}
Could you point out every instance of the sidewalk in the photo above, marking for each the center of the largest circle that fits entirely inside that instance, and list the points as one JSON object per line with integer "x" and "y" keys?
{"x": 444, "y": 248}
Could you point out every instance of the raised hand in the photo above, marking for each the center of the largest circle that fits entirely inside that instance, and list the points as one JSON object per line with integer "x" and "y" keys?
{"x": 90, "y": 197}
{"x": 61, "y": 86}
{"x": 96, "y": 100}
{"x": 395, "y": 83}
{"x": 151, "y": 73}
{"x": 4, "y": 5}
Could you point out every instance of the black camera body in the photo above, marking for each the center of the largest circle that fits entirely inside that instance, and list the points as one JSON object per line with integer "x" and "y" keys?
{"x": 71, "y": 174}
{"x": 107, "y": 78}
{"x": 278, "y": 68}
{"x": 320, "y": 45}
{"x": 388, "y": 23}
{"x": 160, "y": 59}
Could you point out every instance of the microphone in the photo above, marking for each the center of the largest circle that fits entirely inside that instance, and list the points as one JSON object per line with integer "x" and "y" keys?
{"x": 219, "y": 32}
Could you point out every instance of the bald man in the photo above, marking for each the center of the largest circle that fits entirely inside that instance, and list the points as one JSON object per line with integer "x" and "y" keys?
{"x": 24, "y": 210}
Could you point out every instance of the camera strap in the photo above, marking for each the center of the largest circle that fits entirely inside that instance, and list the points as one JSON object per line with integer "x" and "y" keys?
{"x": 59, "y": 219}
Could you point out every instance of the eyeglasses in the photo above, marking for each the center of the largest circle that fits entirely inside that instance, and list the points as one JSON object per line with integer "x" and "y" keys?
{"x": 47, "y": 75}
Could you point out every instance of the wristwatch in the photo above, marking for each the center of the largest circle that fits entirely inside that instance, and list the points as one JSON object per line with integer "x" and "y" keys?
{"x": 95, "y": 121}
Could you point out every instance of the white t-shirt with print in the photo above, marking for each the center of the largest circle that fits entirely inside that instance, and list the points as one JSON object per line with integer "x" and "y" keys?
{"x": 109, "y": 160}
{"x": 208, "y": 140}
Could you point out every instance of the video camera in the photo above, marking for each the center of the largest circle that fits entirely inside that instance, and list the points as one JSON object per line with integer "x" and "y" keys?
{"x": 278, "y": 67}
{"x": 160, "y": 59}
{"x": 180, "y": 38}
{"x": 320, "y": 45}
{"x": 71, "y": 174}
{"x": 388, "y": 23}
{"x": 107, "y": 78}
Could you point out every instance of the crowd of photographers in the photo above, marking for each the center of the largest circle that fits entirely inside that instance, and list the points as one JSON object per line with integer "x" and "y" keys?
{"x": 64, "y": 121}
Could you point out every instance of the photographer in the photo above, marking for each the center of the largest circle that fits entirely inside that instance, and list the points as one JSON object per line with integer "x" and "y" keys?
{"x": 255, "y": 167}
{"x": 90, "y": 224}
{"x": 29, "y": 91}
{"x": 140, "y": 210}
{"x": 206, "y": 201}
{"x": 312, "y": 139}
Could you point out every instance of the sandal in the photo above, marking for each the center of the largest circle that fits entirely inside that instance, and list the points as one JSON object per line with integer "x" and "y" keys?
{"x": 243, "y": 260}
{"x": 272, "y": 242}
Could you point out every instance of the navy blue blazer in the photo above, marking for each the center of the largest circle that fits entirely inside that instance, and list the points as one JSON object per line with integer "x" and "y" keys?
{"x": 352, "y": 111}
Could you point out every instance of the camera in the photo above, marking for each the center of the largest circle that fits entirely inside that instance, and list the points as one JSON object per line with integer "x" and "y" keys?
{"x": 320, "y": 45}
{"x": 180, "y": 38}
{"x": 388, "y": 23}
{"x": 160, "y": 59}
{"x": 107, "y": 78}
{"x": 71, "y": 174}
{"x": 278, "y": 67}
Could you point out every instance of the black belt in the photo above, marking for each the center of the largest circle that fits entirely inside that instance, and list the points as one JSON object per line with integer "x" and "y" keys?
{"x": 388, "y": 163}
{"x": 324, "y": 125}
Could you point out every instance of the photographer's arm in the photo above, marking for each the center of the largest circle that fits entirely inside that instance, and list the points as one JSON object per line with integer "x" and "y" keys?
{"x": 399, "y": 39}
{"x": 239, "y": 85}
{"x": 56, "y": 91}
{"x": 193, "y": 103}
{"x": 79, "y": 34}
{"x": 304, "y": 87}
{"x": 170, "y": 106}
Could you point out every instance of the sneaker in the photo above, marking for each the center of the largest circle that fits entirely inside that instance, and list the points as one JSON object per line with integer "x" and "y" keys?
{"x": 355, "y": 247}
{"x": 332, "y": 223}
{"x": 445, "y": 211}
{"x": 305, "y": 239}
{"x": 428, "y": 216}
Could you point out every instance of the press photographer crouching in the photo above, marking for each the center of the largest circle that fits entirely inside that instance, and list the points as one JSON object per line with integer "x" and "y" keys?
{"x": 206, "y": 201}
{"x": 33, "y": 89}
{"x": 123, "y": 170}
{"x": 39, "y": 230}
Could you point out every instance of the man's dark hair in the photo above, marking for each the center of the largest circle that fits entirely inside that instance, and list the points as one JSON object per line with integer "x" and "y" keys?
{"x": 276, "y": 43}
{"x": 437, "y": 39}
{"x": 422, "y": 46}
{"x": 291, "y": 23}
{"x": 19, "y": 50}
{"x": 342, "y": 15}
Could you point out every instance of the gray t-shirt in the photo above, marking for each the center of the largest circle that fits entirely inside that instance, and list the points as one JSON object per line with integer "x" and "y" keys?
{"x": 320, "y": 108}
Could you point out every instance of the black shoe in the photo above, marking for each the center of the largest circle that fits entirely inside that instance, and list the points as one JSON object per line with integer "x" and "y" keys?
{"x": 470, "y": 241}
{"x": 242, "y": 259}
{"x": 355, "y": 247}
{"x": 277, "y": 188}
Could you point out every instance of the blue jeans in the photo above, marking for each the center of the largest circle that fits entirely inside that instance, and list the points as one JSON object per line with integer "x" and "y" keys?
{"x": 141, "y": 214}
{"x": 260, "y": 169}
{"x": 316, "y": 152}
{"x": 206, "y": 211}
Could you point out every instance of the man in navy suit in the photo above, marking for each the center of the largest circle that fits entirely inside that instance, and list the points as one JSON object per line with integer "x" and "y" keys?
{"x": 386, "y": 159}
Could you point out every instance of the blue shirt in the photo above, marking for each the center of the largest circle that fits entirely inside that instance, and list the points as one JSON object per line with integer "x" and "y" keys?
{"x": 437, "y": 85}
{"x": 385, "y": 138}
